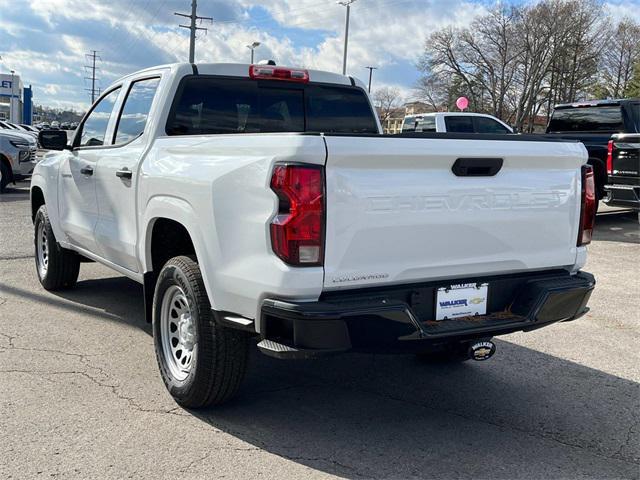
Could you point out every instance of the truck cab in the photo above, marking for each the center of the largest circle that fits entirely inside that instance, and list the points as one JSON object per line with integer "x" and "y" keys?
{"x": 454, "y": 122}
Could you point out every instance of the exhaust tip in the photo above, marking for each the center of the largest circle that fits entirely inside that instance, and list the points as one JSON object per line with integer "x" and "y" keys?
{"x": 482, "y": 350}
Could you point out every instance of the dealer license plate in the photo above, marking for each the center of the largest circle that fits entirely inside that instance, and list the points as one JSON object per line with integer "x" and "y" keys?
{"x": 461, "y": 300}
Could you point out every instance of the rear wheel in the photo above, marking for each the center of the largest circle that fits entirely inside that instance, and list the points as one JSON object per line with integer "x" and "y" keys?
{"x": 201, "y": 363}
{"x": 57, "y": 267}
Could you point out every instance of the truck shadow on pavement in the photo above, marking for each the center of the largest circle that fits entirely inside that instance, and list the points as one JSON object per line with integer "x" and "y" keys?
{"x": 117, "y": 299}
{"x": 524, "y": 414}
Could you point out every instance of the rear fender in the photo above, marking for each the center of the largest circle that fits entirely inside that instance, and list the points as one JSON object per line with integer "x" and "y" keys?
{"x": 182, "y": 212}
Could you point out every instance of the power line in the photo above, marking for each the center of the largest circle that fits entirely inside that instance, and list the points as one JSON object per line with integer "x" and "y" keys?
{"x": 92, "y": 58}
{"x": 192, "y": 27}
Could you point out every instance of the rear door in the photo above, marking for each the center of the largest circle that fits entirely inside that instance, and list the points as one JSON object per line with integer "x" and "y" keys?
{"x": 117, "y": 173}
{"x": 459, "y": 123}
{"x": 397, "y": 213}
{"x": 489, "y": 125}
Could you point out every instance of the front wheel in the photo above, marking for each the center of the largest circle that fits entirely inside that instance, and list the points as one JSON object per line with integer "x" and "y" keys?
{"x": 201, "y": 363}
{"x": 4, "y": 176}
{"x": 57, "y": 267}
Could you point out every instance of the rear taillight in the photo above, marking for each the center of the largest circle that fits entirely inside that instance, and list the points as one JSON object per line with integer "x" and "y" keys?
{"x": 588, "y": 206}
{"x": 278, "y": 73}
{"x": 297, "y": 231}
{"x": 610, "y": 157}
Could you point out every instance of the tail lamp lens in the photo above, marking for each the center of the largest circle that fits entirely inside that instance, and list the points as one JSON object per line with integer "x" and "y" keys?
{"x": 588, "y": 206}
{"x": 297, "y": 231}
{"x": 610, "y": 157}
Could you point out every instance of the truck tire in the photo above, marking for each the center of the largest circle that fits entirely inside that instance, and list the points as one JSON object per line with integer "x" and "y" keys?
{"x": 201, "y": 362}
{"x": 57, "y": 267}
{"x": 5, "y": 175}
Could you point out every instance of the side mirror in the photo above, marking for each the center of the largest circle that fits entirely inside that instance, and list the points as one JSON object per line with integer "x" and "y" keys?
{"x": 53, "y": 139}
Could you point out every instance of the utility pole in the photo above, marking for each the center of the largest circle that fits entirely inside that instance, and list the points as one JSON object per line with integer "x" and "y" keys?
{"x": 371, "y": 69}
{"x": 346, "y": 3}
{"x": 92, "y": 57}
{"x": 192, "y": 27}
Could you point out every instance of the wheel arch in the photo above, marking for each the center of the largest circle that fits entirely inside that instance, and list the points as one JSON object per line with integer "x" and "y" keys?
{"x": 37, "y": 200}
{"x": 5, "y": 161}
{"x": 170, "y": 216}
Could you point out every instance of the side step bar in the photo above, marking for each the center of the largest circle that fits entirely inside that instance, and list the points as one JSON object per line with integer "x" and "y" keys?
{"x": 282, "y": 351}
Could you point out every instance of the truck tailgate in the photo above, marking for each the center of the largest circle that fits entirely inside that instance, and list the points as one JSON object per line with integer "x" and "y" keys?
{"x": 396, "y": 213}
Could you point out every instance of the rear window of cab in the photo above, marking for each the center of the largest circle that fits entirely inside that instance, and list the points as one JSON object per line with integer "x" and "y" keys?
{"x": 213, "y": 105}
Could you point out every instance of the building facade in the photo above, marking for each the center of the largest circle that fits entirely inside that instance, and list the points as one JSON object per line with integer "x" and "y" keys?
{"x": 15, "y": 99}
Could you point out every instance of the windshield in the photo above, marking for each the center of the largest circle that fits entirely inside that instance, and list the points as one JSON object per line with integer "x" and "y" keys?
{"x": 212, "y": 105}
{"x": 587, "y": 119}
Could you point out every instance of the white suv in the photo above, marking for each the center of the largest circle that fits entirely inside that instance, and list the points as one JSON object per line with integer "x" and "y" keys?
{"x": 17, "y": 156}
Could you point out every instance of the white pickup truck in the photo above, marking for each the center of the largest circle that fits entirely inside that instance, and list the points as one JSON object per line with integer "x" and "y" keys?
{"x": 258, "y": 201}
{"x": 454, "y": 122}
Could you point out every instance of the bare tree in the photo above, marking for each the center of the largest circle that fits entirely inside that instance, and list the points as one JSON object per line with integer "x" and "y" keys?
{"x": 633, "y": 89}
{"x": 518, "y": 61}
{"x": 619, "y": 57}
{"x": 386, "y": 100}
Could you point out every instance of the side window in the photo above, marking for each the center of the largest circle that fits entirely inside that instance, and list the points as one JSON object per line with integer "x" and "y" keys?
{"x": 427, "y": 124}
{"x": 489, "y": 125}
{"x": 459, "y": 124}
{"x": 136, "y": 110}
{"x": 94, "y": 127}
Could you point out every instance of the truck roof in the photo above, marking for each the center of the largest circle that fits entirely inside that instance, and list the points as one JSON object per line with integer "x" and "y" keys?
{"x": 468, "y": 114}
{"x": 242, "y": 70}
{"x": 597, "y": 103}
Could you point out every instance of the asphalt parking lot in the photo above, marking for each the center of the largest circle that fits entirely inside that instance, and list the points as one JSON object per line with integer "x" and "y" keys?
{"x": 80, "y": 396}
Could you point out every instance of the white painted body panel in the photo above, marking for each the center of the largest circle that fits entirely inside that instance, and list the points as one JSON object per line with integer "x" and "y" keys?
{"x": 395, "y": 212}
{"x": 218, "y": 187}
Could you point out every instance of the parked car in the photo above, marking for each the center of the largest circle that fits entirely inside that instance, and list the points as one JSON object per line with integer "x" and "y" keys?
{"x": 264, "y": 201}
{"x": 17, "y": 156}
{"x": 454, "y": 122}
{"x": 65, "y": 126}
{"x": 55, "y": 125}
{"x": 29, "y": 128}
{"x": 22, "y": 129}
{"x": 623, "y": 171}
{"x": 593, "y": 123}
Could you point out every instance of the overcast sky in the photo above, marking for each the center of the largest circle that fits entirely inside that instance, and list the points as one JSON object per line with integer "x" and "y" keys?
{"x": 45, "y": 41}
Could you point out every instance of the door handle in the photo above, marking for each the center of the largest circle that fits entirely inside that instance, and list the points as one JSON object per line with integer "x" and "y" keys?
{"x": 124, "y": 173}
{"x": 86, "y": 171}
{"x": 477, "y": 167}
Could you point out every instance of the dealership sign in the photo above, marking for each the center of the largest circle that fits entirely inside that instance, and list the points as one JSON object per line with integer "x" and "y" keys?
{"x": 10, "y": 84}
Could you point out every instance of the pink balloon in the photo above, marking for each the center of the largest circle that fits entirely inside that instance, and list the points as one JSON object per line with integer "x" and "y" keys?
{"x": 462, "y": 103}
